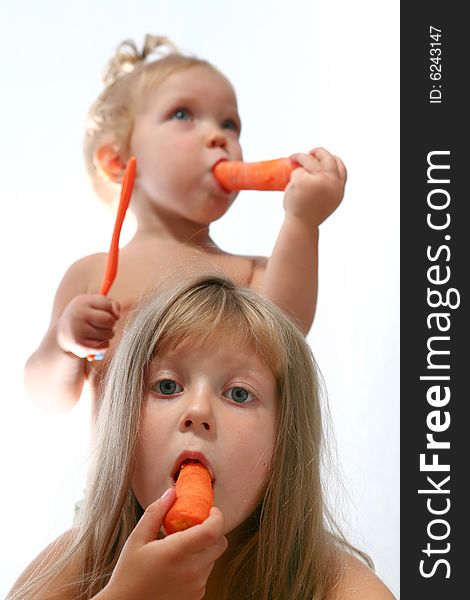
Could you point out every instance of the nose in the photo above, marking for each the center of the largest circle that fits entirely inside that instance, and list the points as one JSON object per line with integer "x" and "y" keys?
{"x": 216, "y": 138}
{"x": 198, "y": 415}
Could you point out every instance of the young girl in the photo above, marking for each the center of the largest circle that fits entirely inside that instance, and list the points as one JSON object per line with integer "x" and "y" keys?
{"x": 178, "y": 116}
{"x": 210, "y": 372}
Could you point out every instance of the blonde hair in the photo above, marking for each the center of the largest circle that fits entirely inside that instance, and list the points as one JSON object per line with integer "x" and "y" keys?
{"x": 129, "y": 76}
{"x": 292, "y": 549}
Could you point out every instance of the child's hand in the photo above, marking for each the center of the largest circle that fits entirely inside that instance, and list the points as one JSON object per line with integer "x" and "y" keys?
{"x": 177, "y": 566}
{"x": 87, "y": 323}
{"x": 316, "y": 189}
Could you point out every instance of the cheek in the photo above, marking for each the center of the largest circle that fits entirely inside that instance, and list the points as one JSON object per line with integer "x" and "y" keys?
{"x": 253, "y": 480}
{"x": 236, "y": 151}
{"x": 246, "y": 477}
{"x": 160, "y": 165}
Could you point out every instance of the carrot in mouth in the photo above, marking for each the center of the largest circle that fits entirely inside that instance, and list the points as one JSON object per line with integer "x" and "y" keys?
{"x": 194, "y": 498}
{"x": 235, "y": 175}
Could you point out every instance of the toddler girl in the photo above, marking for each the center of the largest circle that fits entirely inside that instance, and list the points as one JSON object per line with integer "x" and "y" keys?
{"x": 178, "y": 116}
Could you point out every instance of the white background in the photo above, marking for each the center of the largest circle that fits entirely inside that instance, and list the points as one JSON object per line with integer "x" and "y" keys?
{"x": 307, "y": 73}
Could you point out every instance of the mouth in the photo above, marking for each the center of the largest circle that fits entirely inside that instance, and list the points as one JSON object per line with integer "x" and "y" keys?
{"x": 219, "y": 185}
{"x": 217, "y": 162}
{"x": 188, "y": 457}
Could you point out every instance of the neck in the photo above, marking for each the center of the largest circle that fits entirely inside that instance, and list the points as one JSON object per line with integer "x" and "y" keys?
{"x": 171, "y": 227}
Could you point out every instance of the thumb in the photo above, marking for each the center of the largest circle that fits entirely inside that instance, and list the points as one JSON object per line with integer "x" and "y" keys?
{"x": 151, "y": 521}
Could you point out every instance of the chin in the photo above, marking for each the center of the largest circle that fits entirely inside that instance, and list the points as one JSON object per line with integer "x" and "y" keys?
{"x": 217, "y": 208}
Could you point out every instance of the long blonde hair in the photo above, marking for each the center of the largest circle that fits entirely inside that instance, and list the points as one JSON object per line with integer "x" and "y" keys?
{"x": 292, "y": 549}
{"x": 129, "y": 76}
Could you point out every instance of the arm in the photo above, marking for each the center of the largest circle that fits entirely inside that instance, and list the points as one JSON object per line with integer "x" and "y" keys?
{"x": 80, "y": 324}
{"x": 177, "y": 566}
{"x": 290, "y": 277}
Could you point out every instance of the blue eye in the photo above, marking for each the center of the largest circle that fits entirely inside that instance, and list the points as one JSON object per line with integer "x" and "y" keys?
{"x": 230, "y": 124}
{"x": 167, "y": 387}
{"x": 181, "y": 114}
{"x": 239, "y": 395}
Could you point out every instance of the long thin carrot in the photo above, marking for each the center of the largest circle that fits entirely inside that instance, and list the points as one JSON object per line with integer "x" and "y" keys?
{"x": 235, "y": 175}
{"x": 113, "y": 255}
{"x": 110, "y": 270}
{"x": 194, "y": 498}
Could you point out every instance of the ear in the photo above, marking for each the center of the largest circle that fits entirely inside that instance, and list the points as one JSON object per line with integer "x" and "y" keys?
{"x": 110, "y": 162}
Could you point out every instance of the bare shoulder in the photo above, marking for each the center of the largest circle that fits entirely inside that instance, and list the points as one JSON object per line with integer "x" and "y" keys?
{"x": 82, "y": 277}
{"x": 86, "y": 268}
{"x": 358, "y": 582}
{"x": 55, "y": 588}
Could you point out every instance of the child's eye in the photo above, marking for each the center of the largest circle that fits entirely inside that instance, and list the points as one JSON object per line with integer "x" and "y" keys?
{"x": 181, "y": 114}
{"x": 231, "y": 124}
{"x": 166, "y": 387}
{"x": 239, "y": 395}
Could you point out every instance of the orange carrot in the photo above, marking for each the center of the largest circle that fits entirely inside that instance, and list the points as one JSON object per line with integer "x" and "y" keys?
{"x": 194, "y": 498}
{"x": 235, "y": 175}
{"x": 113, "y": 255}
{"x": 112, "y": 260}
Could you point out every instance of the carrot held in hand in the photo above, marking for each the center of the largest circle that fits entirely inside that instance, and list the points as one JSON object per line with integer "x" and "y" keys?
{"x": 113, "y": 254}
{"x": 194, "y": 498}
{"x": 235, "y": 175}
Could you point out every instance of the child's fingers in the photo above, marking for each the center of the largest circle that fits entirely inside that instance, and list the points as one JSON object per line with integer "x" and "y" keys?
{"x": 97, "y": 334}
{"x": 207, "y": 535}
{"x": 151, "y": 521}
{"x": 100, "y": 320}
{"x": 207, "y": 556}
{"x": 89, "y": 338}
{"x": 115, "y": 308}
{"x": 306, "y": 161}
{"x": 311, "y": 163}
{"x": 326, "y": 159}
{"x": 341, "y": 168}
{"x": 320, "y": 159}
{"x": 106, "y": 304}
{"x": 330, "y": 162}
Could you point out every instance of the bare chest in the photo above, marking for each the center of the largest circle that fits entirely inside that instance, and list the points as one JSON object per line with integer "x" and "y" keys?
{"x": 144, "y": 270}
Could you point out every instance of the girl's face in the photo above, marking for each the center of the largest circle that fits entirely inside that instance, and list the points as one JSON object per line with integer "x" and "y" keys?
{"x": 187, "y": 124}
{"x": 217, "y": 404}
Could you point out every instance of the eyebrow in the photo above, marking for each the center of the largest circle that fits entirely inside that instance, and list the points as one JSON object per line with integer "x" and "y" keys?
{"x": 181, "y": 99}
